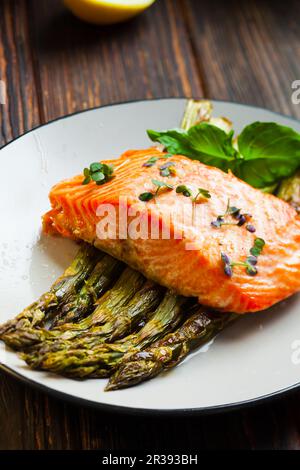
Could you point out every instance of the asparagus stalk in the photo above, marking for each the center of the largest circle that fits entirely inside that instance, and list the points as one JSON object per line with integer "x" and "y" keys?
{"x": 196, "y": 111}
{"x": 166, "y": 353}
{"x": 109, "y": 306}
{"x": 201, "y": 111}
{"x": 128, "y": 319}
{"x": 106, "y": 357}
{"x": 137, "y": 311}
{"x": 102, "y": 276}
{"x": 289, "y": 191}
{"x": 61, "y": 292}
{"x": 112, "y": 302}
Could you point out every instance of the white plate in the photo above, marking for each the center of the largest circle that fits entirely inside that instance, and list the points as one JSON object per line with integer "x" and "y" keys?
{"x": 251, "y": 360}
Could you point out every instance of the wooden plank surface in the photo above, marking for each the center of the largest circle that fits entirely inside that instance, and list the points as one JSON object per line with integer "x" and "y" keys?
{"x": 53, "y": 65}
{"x": 81, "y": 66}
{"x": 247, "y": 50}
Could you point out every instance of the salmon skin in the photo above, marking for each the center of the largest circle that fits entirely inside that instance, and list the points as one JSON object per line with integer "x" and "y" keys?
{"x": 189, "y": 261}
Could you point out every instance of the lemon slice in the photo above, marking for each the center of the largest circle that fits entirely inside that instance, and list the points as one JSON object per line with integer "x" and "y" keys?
{"x": 107, "y": 11}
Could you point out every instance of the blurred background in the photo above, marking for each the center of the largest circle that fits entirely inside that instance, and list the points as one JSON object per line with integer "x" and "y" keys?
{"x": 54, "y": 64}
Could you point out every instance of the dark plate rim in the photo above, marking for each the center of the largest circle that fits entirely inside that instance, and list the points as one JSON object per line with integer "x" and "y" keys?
{"x": 214, "y": 409}
{"x": 120, "y": 103}
{"x": 148, "y": 411}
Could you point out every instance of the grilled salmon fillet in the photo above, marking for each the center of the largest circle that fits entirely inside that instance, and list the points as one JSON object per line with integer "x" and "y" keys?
{"x": 185, "y": 255}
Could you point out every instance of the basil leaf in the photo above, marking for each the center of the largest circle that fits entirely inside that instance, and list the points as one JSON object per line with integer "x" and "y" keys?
{"x": 266, "y": 153}
{"x": 270, "y": 152}
{"x": 203, "y": 142}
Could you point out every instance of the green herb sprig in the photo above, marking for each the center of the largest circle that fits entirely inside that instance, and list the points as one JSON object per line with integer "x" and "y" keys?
{"x": 249, "y": 264}
{"x": 151, "y": 161}
{"x": 167, "y": 169}
{"x": 236, "y": 213}
{"x": 183, "y": 189}
{"x": 147, "y": 196}
{"x": 98, "y": 172}
{"x": 204, "y": 193}
{"x": 154, "y": 158}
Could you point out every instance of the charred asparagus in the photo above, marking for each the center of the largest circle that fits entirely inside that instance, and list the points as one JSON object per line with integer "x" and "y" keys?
{"x": 289, "y": 191}
{"x": 100, "y": 279}
{"x": 166, "y": 353}
{"x": 108, "y": 307}
{"x": 82, "y": 362}
{"x": 128, "y": 319}
{"x": 62, "y": 291}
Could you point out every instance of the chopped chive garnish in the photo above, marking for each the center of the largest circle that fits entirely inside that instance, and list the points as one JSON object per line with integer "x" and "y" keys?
{"x": 98, "y": 172}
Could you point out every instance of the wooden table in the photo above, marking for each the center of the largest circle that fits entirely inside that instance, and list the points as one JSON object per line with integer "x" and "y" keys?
{"x": 243, "y": 50}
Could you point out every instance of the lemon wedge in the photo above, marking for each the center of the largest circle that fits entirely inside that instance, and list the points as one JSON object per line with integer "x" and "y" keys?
{"x": 107, "y": 11}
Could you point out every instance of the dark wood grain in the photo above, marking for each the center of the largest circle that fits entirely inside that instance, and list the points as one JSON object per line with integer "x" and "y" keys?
{"x": 16, "y": 69}
{"x": 81, "y": 66}
{"x": 247, "y": 50}
{"x": 54, "y": 65}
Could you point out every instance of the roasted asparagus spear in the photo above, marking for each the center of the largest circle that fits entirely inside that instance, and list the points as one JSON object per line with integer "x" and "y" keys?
{"x": 130, "y": 317}
{"x": 289, "y": 191}
{"x": 62, "y": 291}
{"x": 102, "y": 359}
{"x": 108, "y": 306}
{"x": 198, "y": 329}
{"x": 101, "y": 278}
